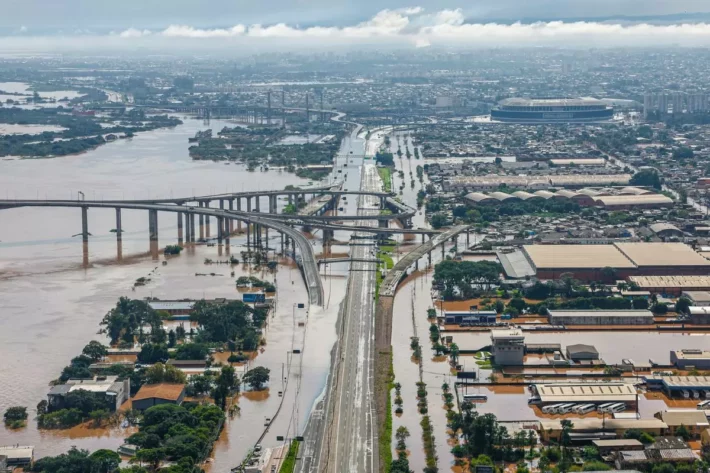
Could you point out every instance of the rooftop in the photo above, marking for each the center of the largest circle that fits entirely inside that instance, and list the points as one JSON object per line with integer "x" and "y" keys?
{"x": 171, "y": 305}
{"x": 671, "y": 281}
{"x": 170, "y": 392}
{"x": 662, "y": 254}
{"x": 691, "y": 354}
{"x": 689, "y": 417}
{"x": 511, "y": 334}
{"x": 698, "y": 296}
{"x": 17, "y": 451}
{"x": 611, "y": 424}
{"x": 612, "y": 200}
{"x": 617, "y": 443}
{"x": 581, "y": 348}
{"x": 576, "y": 256}
{"x": 559, "y": 102}
{"x": 601, "y": 313}
{"x": 586, "y": 392}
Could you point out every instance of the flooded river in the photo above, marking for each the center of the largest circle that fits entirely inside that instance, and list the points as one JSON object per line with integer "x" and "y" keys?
{"x": 52, "y": 305}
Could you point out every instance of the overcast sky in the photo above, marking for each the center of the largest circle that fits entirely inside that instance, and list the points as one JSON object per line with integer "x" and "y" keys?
{"x": 97, "y": 14}
{"x": 53, "y": 25}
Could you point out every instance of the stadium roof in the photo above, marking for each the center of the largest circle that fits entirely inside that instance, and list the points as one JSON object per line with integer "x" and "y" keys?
{"x": 576, "y": 256}
{"x": 561, "y": 102}
{"x": 522, "y": 195}
{"x": 478, "y": 197}
{"x": 662, "y": 254}
{"x": 632, "y": 199}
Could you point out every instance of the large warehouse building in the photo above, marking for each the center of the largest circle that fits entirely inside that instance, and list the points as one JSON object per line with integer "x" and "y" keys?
{"x": 587, "y": 262}
{"x": 560, "y": 110}
{"x": 600, "y": 317}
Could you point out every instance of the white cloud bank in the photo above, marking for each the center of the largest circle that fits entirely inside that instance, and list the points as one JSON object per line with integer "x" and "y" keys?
{"x": 419, "y": 28}
{"x": 413, "y": 27}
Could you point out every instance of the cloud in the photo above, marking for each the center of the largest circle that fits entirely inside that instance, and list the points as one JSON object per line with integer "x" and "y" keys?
{"x": 134, "y": 33}
{"x": 411, "y": 26}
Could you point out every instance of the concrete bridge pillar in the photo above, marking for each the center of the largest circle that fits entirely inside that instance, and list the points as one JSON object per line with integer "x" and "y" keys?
{"x": 179, "y": 222}
{"x": 226, "y": 232}
{"x": 382, "y": 203}
{"x": 119, "y": 229}
{"x": 85, "y": 224}
{"x": 231, "y": 221}
{"x": 257, "y": 199}
{"x": 220, "y": 227}
{"x": 207, "y": 221}
{"x": 468, "y": 244}
{"x": 443, "y": 255}
{"x": 202, "y": 222}
{"x": 248, "y": 210}
{"x": 282, "y": 243}
{"x": 239, "y": 209}
{"x": 153, "y": 224}
{"x": 423, "y": 239}
{"x": 382, "y": 223}
{"x": 290, "y": 199}
{"x": 429, "y": 258}
{"x": 221, "y": 204}
{"x": 248, "y": 235}
{"x": 192, "y": 227}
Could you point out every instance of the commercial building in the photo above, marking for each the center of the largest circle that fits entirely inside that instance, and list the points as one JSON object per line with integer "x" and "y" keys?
{"x": 581, "y": 352}
{"x": 622, "y": 202}
{"x": 605, "y": 447}
{"x": 588, "y": 429}
{"x": 586, "y": 262}
{"x": 585, "y": 392}
{"x": 470, "y": 317}
{"x": 559, "y": 110}
{"x": 691, "y": 358}
{"x": 113, "y": 390}
{"x": 694, "y": 420}
{"x": 17, "y": 455}
{"x": 151, "y": 395}
{"x": 600, "y": 317}
{"x": 508, "y": 347}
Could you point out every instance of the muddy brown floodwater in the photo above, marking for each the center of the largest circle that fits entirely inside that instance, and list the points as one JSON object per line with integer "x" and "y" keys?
{"x": 52, "y": 306}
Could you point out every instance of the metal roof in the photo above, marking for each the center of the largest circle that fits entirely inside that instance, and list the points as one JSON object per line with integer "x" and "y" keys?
{"x": 171, "y": 305}
{"x": 576, "y": 256}
{"x": 689, "y": 417}
{"x": 17, "y": 452}
{"x": 671, "y": 281}
{"x": 622, "y": 200}
{"x": 586, "y": 392}
{"x": 559, "y": 102}
{"x": 478, "y": 197}
{"x": 594, "y": 423}
{"x": 617, "y": 443}
{"x": 661, "y": 227}
{"x": 662, "y": 254}
{"x": 601, "y": 313}
{"x": 691, "y": 382}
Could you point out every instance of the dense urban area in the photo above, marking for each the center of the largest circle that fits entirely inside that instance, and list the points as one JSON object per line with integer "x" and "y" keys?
{"x": 435, "y": 261}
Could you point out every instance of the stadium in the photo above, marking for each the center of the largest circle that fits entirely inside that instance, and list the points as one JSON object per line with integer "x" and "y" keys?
{"x": 522, "y": 110}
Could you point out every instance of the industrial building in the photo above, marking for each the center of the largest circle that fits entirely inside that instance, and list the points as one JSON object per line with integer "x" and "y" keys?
{"x": 678, "y": 386}
{"x": 586, "y": 262}
{"x": 153, "y": 394}
{"x": 581, "y": 352}
{"x": 587, "y": 197}
{"x": 698, "y": 298}
{"x": 470, "y": 317}
{"x": 694, "y": 420}
{"x": 585, "y": 392}
{"x": 600, "y": 317}
{"x": 672, "y": 285}
{"x": 584, "y": 430}
{"x": 508, "y": 347}
{"x": 110, "y": 388}
{"x": 17, "y": 455}
{"x": 699, "y": 315}
{"x": 558, "y": 110}
{"x": 689, "y": 358}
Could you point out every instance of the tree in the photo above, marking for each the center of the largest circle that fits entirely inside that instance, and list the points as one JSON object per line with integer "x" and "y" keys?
{"x": 401, "y": 435}
{"x": 160, "y": 373}
{"x": 438, "y": 220}
{"x": 172, "y": 338}
{"x": 640, "y": 303}
{"x": 191, "y": 351}
{"x": 608, "y": 274}
{"x": 517, "y": 303}
{"x": 682, "y": 305}
{"x": 153, "y": 353}
{"x": 499, "y": 306}
{"x": 199, "y": 384}
{"x": 257, "y": 377}
{"x": 646, "y": 177}
{"x": 105, "y": 461}
{"x": 15, "y": 416}
{"x": 682, "y": 432}
{"x": 95, "y": 350}
{"x": 152, "y": 456}
{"x": 226, "y": 382}
{"x": 454, "y": 352}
